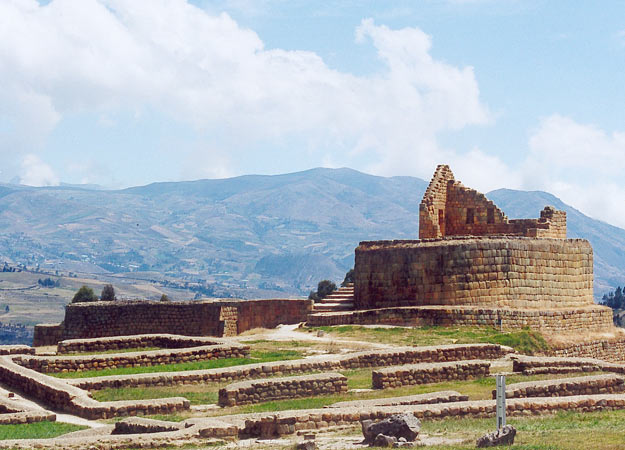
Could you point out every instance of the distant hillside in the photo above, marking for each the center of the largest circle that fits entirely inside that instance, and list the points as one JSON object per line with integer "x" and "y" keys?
{"x": 250, "y": 234}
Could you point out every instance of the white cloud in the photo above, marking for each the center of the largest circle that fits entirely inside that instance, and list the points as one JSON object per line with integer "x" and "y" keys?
{"x": 88, "y": 55}
{"x": 580, "y": 163}
{"x": 35, "y": 172}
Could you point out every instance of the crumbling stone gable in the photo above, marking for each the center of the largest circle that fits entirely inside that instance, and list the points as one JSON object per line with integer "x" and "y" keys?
{"x": 450, "y": 209}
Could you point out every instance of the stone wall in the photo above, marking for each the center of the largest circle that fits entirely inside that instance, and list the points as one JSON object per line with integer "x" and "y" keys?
{"x": 356, "y": 360}
{"x": 54, "y": 364}
{"x": 609, "y": 349}
{"x": 191, "y": 318}
{"x": 137, "y": 341}
{"x": 450, "y": 209}
{"x": 268, "y": 389}
{"x": 598, "y": 384}
{"x": 16, "y": 350}
{"x": 588, "y": 318}
{"x": 65, "y": 397}
{"x": 393, "y": 377}
{"x": 530, "y": 365}
{"x": 497, "y": 272}
{"x": 47, "y": 334}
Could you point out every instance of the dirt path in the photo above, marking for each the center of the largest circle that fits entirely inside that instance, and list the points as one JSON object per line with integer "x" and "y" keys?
{"x": 290, "y": 333}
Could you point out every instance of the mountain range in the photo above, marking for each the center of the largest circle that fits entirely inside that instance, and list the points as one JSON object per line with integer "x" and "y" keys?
{"x": 257, "y": 234}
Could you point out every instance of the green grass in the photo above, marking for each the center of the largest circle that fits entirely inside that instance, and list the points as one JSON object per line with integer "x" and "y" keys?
{"x": 564, "y": 430}
{"x": 255, "y": 357}
{"x": 37, "y": 430}
{"x": 525, "y": 341}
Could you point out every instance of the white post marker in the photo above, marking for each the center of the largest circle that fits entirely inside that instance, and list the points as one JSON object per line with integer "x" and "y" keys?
{"x": 501, "y": 401}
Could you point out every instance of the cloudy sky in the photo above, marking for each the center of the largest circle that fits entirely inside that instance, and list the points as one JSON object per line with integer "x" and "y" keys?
{"x": 524, "y": 94}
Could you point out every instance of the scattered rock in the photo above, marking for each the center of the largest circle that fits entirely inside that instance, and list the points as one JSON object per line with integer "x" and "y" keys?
{"x": 384, "y": 441}
{"x": 503, "y": 436}
{"x": 321, "y": 333}
{"x": 397, "y": 426}
{"x": 306, "y": 445}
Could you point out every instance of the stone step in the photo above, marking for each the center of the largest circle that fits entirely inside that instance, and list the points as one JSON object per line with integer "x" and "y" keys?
{"x": 329, "y": 307}
{"x": 340, "y": 296}
{"x": 336, "y": 300}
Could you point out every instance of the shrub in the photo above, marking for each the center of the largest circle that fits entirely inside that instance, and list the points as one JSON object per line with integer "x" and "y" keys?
{"x": 324, "y": 288}
{"x": 108, "y": 293}
{"x": 84, "y": 294}
{"x": 349, "y": 277}
{"x": 165, "y": 298}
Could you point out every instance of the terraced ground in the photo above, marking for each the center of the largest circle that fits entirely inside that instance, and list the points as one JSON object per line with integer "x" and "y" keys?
{"x": 564, "y": 429}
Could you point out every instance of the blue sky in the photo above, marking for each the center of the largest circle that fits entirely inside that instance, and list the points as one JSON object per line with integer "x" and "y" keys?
{"x": 519, "y": 94}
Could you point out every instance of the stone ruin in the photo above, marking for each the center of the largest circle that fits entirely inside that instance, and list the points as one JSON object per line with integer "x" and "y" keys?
{"x": 473, "y": 265}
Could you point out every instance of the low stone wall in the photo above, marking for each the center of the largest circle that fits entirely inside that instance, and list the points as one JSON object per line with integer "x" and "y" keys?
{"x": 264, "y": 390}
{"x": 587, "y": 318}
{"x": 139, "y": 425}
{"x": 137, "y": 341}
{"x": 281, "y": 423}
{"x": 392, "y": 377}
{"x": 418, "y": 399}
{"x": 53, "y": 364}
{"x": 356, "y": 360}
{"x": 47, "y": 334}
{"x": 189, "y": 318}
{"x": 610, "y": 349}
{"x": 16, "y": 350}
{"x": 557, "y": 365}
{"x": 564, "y": 387}
{"x": 60, "y": 395}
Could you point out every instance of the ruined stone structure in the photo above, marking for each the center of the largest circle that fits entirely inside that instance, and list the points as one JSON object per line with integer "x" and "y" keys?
{"x": 470, "y": 256}
{"x": 450, "y": 209}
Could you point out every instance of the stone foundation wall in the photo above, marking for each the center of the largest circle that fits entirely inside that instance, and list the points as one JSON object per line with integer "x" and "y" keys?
{"x": 605, "y": 349}
{"x": 192, "y": 318}
{"x": 557, "y": 364}
{"x": 588, "y": 318}
{"x": 65, "y": 397}
{"x": 514, "y": 272}
{"x": 54, "y": 364}
{"x": 357, "y": 360}
{"x": 393, "y": 377}
{"x": 16, "y": 350}
{"x": 599, "y": 384}
{"x": 268, "y": 389}
{"x": 138, "y": 341}
{"x": 47, "y": 334}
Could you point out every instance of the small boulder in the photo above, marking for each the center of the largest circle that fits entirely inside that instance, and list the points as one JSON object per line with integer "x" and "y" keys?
{"x": 398, "y": 426}
{"x": 384, "y": 441}
{"x": 306, "y": 445}
{"x": 503, "y": 436}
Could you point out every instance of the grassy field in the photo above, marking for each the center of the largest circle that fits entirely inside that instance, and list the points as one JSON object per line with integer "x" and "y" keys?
{"x": 37, "y": 430}
{"x": 564, "y": 430}
{"x": 524, "y": 341}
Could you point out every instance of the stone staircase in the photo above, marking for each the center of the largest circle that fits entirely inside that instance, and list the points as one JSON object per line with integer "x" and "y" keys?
{"x": 340, "y": 300}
